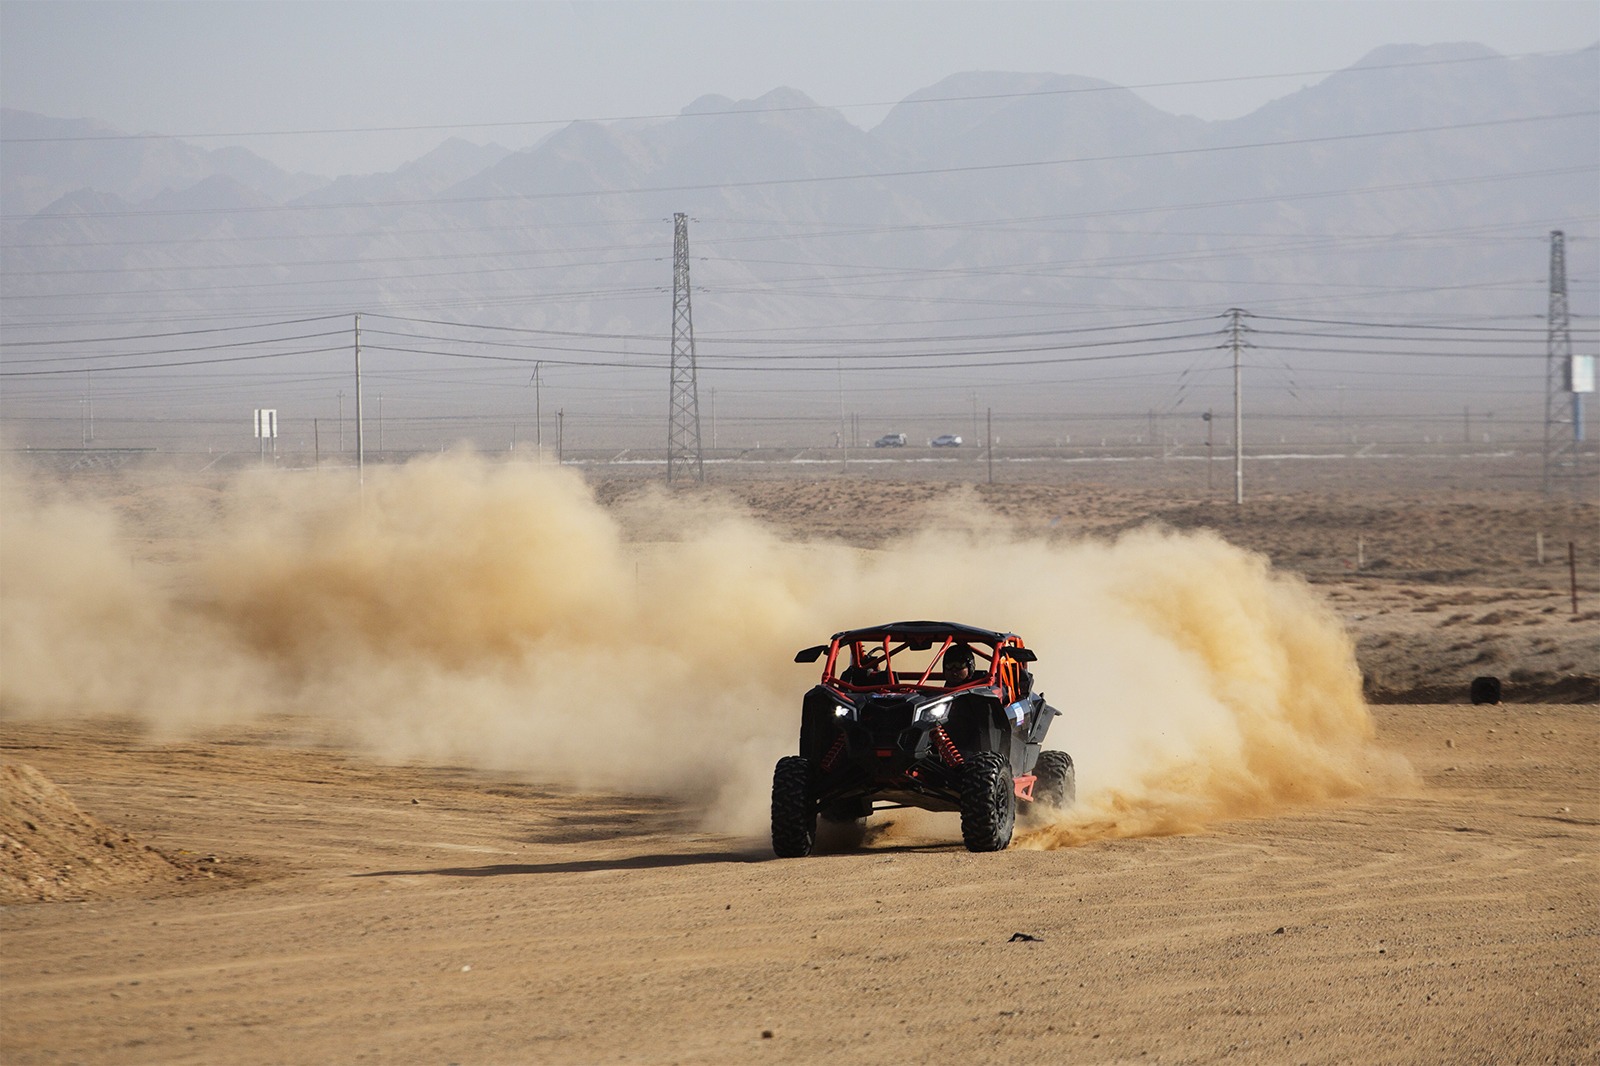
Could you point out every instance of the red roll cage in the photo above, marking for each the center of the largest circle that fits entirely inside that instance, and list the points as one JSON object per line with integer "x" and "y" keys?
{"x": 985, "y": 653}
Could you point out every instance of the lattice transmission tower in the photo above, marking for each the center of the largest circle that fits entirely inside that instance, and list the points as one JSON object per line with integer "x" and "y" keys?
{"x": 683, "y": 414}
{"x": 1560, "y": 429}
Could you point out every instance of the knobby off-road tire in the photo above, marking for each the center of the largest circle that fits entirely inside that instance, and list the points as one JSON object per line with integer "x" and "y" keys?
{"x": 988, "y": 802}
{"x": 1056, "y": 781}
{"x": 794, "y": 813}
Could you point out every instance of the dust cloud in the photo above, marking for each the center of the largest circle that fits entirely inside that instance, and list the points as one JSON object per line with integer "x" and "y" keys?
{"x": 495, "y": 614}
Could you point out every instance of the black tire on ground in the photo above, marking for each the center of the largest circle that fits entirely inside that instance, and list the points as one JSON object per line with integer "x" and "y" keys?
{"x": 1056, "y": 783}
{"x": 794, "y": 812}
{"x": 988, "y": 802}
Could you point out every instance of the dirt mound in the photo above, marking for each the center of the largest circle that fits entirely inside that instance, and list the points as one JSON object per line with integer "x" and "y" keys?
{"x": 50, "y": 850}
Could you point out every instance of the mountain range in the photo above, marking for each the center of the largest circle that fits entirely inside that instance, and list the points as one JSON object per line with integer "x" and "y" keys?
{"x": 1420, "y": 183}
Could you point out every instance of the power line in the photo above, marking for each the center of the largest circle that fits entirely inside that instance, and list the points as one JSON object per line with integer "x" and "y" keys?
{"x": 763, "y": 366}
{"x": 1400, "y": 353}
{"x": 807, "y": 340}
{"x": 340, "y": 234}
{"x": 159, "y": 366}
{"x": 1166, "y": 153}
{"x": 316, "y": 281}
{"x": 178, "y": 333}
{"x": 343, "y": 262}
{"x": 1399, "y": 325}
{"x": 1031, "y": 224}
{"x": 746, "y": 111}
{"x": 11, "y": 360}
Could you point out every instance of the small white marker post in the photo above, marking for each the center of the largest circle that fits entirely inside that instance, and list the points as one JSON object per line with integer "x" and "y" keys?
{"x": 267, "y": 429}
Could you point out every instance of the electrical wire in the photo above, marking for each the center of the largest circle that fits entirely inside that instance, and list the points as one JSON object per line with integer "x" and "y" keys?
{"x": 177, "y": 333}
{"x": 747, "y": 111}
{"x": 159, "y": 366}
{"x": 973, "y": 168}
{"x": 11, "y": 360}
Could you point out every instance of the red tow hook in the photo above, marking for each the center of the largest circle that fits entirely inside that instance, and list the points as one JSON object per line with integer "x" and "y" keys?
{"x": 1024, "y": 786}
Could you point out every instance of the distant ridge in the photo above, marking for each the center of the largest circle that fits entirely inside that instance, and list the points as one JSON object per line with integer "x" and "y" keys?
{"x": 1158, "y": 232}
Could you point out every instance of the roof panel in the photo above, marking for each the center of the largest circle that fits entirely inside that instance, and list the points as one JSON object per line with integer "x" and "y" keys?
{"x": 922, "y": 629}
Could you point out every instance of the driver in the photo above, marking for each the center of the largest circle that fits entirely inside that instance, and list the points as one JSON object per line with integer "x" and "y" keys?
{"x": 958, "y": 665}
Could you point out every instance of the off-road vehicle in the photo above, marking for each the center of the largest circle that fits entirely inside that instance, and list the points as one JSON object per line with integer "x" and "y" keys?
{"x": 920, "y": 714}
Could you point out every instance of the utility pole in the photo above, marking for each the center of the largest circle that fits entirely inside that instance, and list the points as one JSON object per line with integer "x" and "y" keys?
{"x": 991, "y": 445}
{"x": 90, "y": 375}
{"x": 561, "y": 436}
{"x": 1236, "y": 330}
{"x": 361, "y": 446}
{"x": 683, "y": 408}
{"x": 380, "y": 426}
{"x": 538, "y": 417}
{"x": 713, "y": 418}
{"x": 844, "y": 445}
{"x": 840, "y": 400}
{"x": 1558, "y": 357}
{"x": 341, "y": 421}
{"x": 1211, "y": 424}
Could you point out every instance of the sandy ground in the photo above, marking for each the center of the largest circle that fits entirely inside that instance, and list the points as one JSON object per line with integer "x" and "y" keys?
{"x": 406, "y": 914}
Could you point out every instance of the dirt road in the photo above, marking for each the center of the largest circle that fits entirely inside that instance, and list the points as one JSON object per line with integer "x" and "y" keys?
{"x": 363, "y": 913}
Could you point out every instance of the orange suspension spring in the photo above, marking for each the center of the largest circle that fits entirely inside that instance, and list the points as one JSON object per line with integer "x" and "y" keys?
{"x": 949, "y": 754}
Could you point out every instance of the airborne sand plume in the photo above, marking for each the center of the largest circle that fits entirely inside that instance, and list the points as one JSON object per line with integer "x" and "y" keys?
{"x": 496, "y": 614}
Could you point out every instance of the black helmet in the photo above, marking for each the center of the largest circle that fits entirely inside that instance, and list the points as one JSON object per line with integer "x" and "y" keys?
{"x": 958, "y": 655}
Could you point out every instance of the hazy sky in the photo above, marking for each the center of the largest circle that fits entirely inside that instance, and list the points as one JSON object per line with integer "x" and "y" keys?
{"x": 192, "y": 68}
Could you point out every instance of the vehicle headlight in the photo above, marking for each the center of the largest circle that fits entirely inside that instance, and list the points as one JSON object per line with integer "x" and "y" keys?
{"x": 935, "y": 710}
{"x": 841, "y": 711}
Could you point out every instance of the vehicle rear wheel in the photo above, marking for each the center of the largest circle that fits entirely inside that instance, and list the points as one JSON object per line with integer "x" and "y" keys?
{"x": 794, "y": 812}
{"x": 1056, "y": 783}
{"x": 988, "y": 802}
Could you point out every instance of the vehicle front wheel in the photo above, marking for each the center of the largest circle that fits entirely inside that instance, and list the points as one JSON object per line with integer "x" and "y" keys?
{"x": 794, "y": 812}
{"x": 988, "y": 802}
{"x": 1056, "y": 783}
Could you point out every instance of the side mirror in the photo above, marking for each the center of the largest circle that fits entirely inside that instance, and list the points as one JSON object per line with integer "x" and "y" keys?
{"x": 810, "y": 655}
{"x": 1021, "y": 655}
